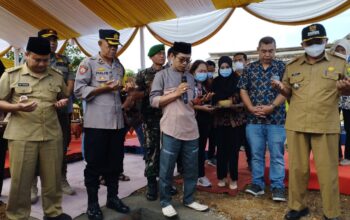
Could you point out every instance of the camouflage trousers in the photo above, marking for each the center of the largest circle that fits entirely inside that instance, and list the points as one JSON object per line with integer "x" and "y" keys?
{"x": 152, "y": 147}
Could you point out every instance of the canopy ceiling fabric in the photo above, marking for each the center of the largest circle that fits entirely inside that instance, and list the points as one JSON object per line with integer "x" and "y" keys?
{"x": 168, "y": 20}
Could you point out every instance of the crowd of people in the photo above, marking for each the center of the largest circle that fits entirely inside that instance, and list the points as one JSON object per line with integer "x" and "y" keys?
{"x": 177, "y": 109}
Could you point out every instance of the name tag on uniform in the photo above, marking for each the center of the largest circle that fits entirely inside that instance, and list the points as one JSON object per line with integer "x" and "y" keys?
{"x": 102, "y": 76}
{"x": 22, "y": 84}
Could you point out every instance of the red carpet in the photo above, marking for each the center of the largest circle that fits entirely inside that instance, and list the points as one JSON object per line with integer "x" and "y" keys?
{"x": 344, "y": 176}
{"x": 244, "y": 176}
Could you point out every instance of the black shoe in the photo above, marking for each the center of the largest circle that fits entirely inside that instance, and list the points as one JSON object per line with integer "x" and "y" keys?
{"x": 152, "y": 190}
{"x": 173, "y": 190}
{"x": 255, "y": 190}
{"x": 94, "y": 212}
{"x": 295, "y": 215}
{"x": 117, "y": 205}
{"x": 278, "y": 195}
{"x": 336, "y": 218}
{"x": 63, "y": 216}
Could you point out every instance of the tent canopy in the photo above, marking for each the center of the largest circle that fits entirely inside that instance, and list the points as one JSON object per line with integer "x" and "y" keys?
{"x": 192, "y": 21}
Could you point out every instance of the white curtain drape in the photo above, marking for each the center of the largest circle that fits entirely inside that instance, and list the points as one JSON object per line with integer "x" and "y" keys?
{"x": 189, "y": 29}
{"x": 292, "y": 10}
{"x": 90, "y": 42}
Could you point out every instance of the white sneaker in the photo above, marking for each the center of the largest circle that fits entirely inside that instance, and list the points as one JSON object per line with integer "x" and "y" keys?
{"x": 198, "y": 207}
{"x": 203, "y": 181}
{"x": 222, "y": 183}
{"x": 169, "y": 211}
{"x": 345, "y": 162}
{"x": 233, "y": 185}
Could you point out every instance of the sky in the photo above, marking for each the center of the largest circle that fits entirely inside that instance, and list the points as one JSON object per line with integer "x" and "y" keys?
{"x": 241, "y": 32}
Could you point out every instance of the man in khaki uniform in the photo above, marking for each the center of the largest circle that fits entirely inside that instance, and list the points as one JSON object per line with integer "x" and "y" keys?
{"x": 61, "y": 63}
{"x": 30, "y": 92}
{"x": 312, "y": 82}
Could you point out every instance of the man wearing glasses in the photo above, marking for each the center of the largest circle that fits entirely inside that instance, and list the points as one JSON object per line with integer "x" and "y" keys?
{"x": 172, "y": 90}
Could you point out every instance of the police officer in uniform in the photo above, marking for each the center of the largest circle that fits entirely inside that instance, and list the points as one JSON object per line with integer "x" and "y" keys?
{"x": 98, "y": 82}
{"x": 313, "y": 82}
{"x": 61, "y": 63}
{"x": 32, "y": 92}
{"x": 151, "y": 119}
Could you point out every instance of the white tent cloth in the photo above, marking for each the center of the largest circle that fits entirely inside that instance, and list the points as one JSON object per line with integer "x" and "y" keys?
{"x": 190, "y": 29}
{"x": 3, "y": 45}
{"x": 90, "y": 42}
{"x": 186, "y": 8}
{"x": 293, "y": 11}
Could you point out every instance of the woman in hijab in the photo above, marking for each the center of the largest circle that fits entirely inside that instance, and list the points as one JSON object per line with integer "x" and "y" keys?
{"x": 342, "y": 46}
{"x": 227, "y": 119}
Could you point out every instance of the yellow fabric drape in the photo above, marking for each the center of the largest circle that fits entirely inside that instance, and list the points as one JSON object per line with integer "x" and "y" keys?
{"x": 168, "y": 43}
{"x": 345, "y": 6}
{"x": 7, "y": 63}
{"x": 2, "y": 53}
{"x": 36, "y": 16}
{"x": 81, "y": 48}
{"x": 131, "y": 13}
{"x": 125, "y": 46}
{"x": 221, "y": 4}
{"x": 63, "y": 47}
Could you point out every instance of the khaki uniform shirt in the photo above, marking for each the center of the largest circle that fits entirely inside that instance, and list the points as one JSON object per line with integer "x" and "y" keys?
{"x": 314, "y": 99}
{"x": 103, "y": 111}
{"x": 41, "y": 124}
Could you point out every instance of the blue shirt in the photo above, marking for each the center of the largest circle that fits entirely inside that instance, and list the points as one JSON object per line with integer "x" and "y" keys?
{"x": 257, "y": 81}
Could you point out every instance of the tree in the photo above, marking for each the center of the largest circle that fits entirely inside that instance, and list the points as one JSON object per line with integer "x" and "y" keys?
{"x": 75, "y": 56}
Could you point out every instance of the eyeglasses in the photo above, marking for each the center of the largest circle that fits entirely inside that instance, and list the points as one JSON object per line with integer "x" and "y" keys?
{"x": 184, "y": 60}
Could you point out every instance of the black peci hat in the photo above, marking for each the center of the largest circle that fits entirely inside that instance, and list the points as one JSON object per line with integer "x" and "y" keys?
{"x": 38, "y": 45}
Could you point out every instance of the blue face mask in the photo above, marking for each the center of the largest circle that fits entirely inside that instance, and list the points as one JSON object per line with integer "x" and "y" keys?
{"x": 210, "y": 75}
{"x": 201, "y": 77}
{"x": 225, "y": 72}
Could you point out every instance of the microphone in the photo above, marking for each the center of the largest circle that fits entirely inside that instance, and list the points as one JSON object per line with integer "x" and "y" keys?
{"x": 184, "y": 95}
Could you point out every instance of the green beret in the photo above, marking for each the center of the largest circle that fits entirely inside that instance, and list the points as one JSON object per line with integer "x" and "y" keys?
{"x": 155, "y": 49}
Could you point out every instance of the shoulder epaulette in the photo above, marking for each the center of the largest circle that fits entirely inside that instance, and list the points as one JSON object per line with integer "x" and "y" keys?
{"x": 13, "y": 69}
{"x": 293, "y": 60}
{"x": 56, "y": 70}
{"x": 339, "y": 55}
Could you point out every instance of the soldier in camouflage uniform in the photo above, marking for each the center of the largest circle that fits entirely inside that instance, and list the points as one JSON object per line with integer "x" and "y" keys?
{"x": 151, "y": 119}
{"x": 60, "y": 62}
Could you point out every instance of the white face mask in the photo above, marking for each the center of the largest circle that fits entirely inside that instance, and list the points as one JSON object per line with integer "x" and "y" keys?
{"x": 315, "y": 50}
{"x": 239, "y": 66}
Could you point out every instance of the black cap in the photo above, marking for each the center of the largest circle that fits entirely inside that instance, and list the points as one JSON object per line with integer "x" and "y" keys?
{"x": 182, "y": 47}
{"x": 111, "y": 36}
{"x": 39, "y": 45}
{"x": 47, "y": 33}
{"x": 313, "y": 31}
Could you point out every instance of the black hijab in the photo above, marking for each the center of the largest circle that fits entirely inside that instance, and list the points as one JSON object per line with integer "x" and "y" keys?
{"x": 224, "y": 87}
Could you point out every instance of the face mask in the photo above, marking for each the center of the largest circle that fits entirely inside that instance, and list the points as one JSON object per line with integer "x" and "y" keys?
{"x": 225, "y": 72}
{"x": 239, "y": 66}
{"x": 210, "y": 75}
{"x": 315, "y": 50}
{"x": 201, "y": 77}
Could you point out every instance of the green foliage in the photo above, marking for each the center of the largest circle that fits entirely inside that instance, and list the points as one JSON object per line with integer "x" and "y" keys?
{"x": 74, "y": 55}
{"x": 129, "y": 73}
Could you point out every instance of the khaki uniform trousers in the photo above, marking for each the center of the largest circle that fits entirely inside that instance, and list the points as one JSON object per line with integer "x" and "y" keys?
{"x": 24, "y": 156}
{"x": 325, "y": 151}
